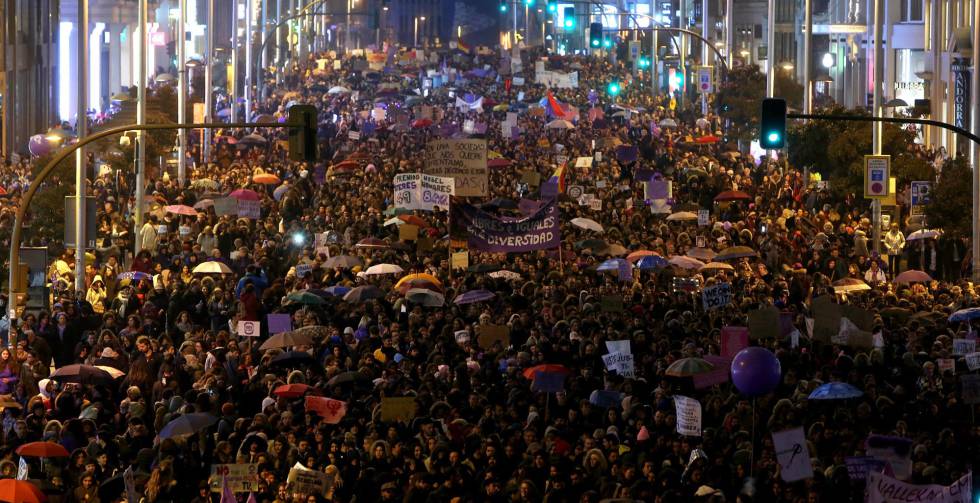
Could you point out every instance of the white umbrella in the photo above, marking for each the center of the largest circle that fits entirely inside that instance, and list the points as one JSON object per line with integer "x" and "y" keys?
{"x": 212, "y": 267}
{"x": 922, "y": 234}
{"x": 505, "y": 274}
{"x": 587, "y": 224}
{"x": 703, "y": 123}
{"x": 338, "y": 90}
{"x": 681, "y": 216}
{"x": 393, "y": 221}
{"x": 379, "y": 269}
{"x": 668, "y": 123}
{"x": 686, "y": 262}
{"x": 559, "y": 124}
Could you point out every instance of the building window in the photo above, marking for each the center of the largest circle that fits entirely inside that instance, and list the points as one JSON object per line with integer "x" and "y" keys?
{"x": 911, "y": 11}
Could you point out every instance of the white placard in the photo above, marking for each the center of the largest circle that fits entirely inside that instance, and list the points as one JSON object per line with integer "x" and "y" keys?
{"x": 792, "y": 454}
{"x": 704, "y": 218}
{"x": 972, "y": 361}
{"x": 619, "y": 347}
{"x": 248, "y": 329}
{"x": 688, "y": 416}
{"x": 881, "y": 488}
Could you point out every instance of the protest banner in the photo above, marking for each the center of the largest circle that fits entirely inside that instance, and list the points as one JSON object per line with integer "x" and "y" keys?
{"x": 397, "y": 408}
{"x": 303, "y": 481}
{"x": 465, "y": 161}
{"x": 688, "y": 412}
{"x": 764, "y": 323}
{"x": 249, "y": 209}
{"x": 278, "y": 323}
{"x": 488, "y": 335}
{"x": 225, "y": 206}
{"x": 716, "y": 296}
{"x": 884, "y": 489}
{"x": 792, "y": 454}
{"x": 332, "y": 411}
{"x": 733, "y": 340}
{"x": 241, "y": 477}
{"x": 248, "y": 329}
{"x": 491, "y": 233}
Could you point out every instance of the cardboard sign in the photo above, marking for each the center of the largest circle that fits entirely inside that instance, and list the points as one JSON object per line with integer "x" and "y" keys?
{"x": 279, "y": 323}
{"x": 532, "y": 178}
{"x": 716, "y": 296}
{"x": 583, "y": 162}
{"x": 460, "y": 260}
{"x": 611, "y": 304}
{"x": 241, "y": 477}
{"x": 463, "y": 160}
{"x": 408, "y": 232}
{"x": 619, "y": 347}
{"x": 397, "y": 408}
{"x": 620, "y": 363}
{"x": 303, "y": 481}
{"x": 248, "y": 329}
{"x": 249, "y": 209}
{"x": 688, "y": 416}
{"x": 826, "y": 318}
{"x": 225, "y": 206}
{"x": 733, "y": 340}
{"x": 792, "y": 454}
{"x": 353, "y": 135}
{"x": 423, "y": 244}
{"x": 764, "y": 323}
{"x": 964, "y": 346}
{"x": 488, "y": 335}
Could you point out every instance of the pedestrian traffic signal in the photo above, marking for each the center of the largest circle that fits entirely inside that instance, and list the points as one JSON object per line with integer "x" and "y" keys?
{"x": 595, "y": 35}
{"x": 529, "y": 3}
{"x": 613, "y": 88}
{"x": 503, "y": 6}
{"x": 772, "y": 130}
{"x": 552, "y": 7}
{"x": 302, "y": 132}
{"x": 569, "y": 18}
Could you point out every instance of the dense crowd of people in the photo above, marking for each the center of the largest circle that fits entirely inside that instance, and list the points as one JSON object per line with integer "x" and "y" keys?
{"x": 166, "y": 337}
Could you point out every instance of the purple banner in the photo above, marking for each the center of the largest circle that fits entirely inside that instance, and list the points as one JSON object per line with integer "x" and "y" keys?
{"x": 490, "y": 233}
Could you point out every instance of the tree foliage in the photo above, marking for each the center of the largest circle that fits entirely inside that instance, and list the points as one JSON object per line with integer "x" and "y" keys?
{"x": 951, "y": 201}
{"x": 740, "y": 97}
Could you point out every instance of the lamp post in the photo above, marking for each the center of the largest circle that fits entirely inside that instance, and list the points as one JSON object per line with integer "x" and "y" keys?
{"x": 82, "y": 130}
{"x": 975, "y": 149}
{"x": 417, "y": 20}
{"x": 208, "y": 81}
{"x": 181, "y": 93}
{"x": 879, "y": 70}
{"x": 140, "y": 120}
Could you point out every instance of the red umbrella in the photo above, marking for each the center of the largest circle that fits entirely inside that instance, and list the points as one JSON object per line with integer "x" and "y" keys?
{"x": 707, "y": 139}
{"x": 414, "y": 220}
{"x": 42, "y": 450}
{"x": 348, "y": 164}
{"x": 421, "y": 123}
{"x": 418, "y": 284}
{"x": 294, "y": 390}
{"x": 498, "y": 163}
{"x": 371, "y": 243}
{"x": 732, "y": 195}
{"x": 546, "y": 367}
{"x": 245, "y": 195}
{"x": 3, "y": 191}
{"x": 181, "y": 209}
{"x": 20, "y": 491}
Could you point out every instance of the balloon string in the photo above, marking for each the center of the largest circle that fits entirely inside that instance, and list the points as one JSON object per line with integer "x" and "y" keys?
{"x": 752, "y": 451}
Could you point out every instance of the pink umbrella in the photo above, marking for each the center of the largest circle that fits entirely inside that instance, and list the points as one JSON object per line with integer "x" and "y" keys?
{"x": 913, "y": 276}
{"x": 180, "y": 209}
{"x": 203, "y": 204}
{"x": 245, "y": 195}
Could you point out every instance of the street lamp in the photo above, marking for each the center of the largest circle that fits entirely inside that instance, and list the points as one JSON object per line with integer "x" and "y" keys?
{"x": 417, "y": 19}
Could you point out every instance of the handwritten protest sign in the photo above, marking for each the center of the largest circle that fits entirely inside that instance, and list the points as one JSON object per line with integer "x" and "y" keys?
{"x": 792, "y": 454}
{"x": 964, "y": 346}
{"x": 716, "y": 296}
{"x": 332, "y": 411}
{"x": 249, "y": 209}
{"x": 303, "y": 269}
{"x": 226, "y": 206}
{"x": 397, "y": 408}
{"x": 241, "y": 477}
{"x": 465, "y": 161}
{"x": 884, "y": 489}
{"x": 688, "y": 416}
{"x": 621, "y": 363}
{"x": 972, "y": 361}
{"x": 764, "y": 323}
{"x": 460, "y": 260}
{"x": 859, "y": 466}
{"x": 303, "y": 481}
{"x": 417, "y": 191}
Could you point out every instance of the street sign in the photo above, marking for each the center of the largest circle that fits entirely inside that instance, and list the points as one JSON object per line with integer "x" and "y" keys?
{"x": 704, "y": 80}
{"x": 91, "y": 222}
{"x": 921, "y": 195}
{"x": 634, "y": 50}
{"x": 876, "y": 174}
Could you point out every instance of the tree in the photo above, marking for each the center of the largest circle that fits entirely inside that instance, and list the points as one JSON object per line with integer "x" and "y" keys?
{"x": 788, "y": 88}
{"x": 739, "y": 100}
{"x": 949, "y": 208}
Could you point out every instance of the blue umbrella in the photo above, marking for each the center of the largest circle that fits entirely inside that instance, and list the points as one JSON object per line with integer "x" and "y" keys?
{"x": 606, "y": 398}
{"x": 966, "y": 314}
{"x": 337, "y": 290}
{"x": 474, "y": 296}
{"x": 279, "y": 192}
{"x": 651, "y": 262}
{"x": 187, "y": 424}
{"x": 835, "y": 391}
{"x": 612, "y": 264}
{"x": 134, "y": 276}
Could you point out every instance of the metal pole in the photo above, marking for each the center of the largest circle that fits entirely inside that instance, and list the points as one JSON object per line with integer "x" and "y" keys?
{"x": 208, "y": 80}
{"x": 249, "y": 63}
{"x": 141, "y": 120}
{"x": 415, "y": 40}
{"x": 233, "y": 85}
{"x": 513, "y": 34}
{"x": 683, "y": 55}
{"x": 730, "y": 30}
{"x": 182, "y": 92}
{"x": 974, "y": 148}
{"x": 807, "y": 56}
{"x": 705, "y": 51}
{"x": 879, "y": 70}
{"x": 82, "y": 130}
{"x": 771, "y": 49}
{"x": 937, "y": 85}
{"x": 347, "y": 29}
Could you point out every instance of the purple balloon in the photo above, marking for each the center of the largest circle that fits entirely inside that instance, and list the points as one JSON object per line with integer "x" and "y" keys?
{"x": 39, "y": 145}
{"x": 756, "y": 371}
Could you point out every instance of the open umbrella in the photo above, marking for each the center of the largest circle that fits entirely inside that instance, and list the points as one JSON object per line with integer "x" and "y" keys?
{"x": 266, "y": 179}
{"x": 483, "y": 268}
{"x": 133, "y": 276}
{"x": 294, "y": 390}
{"x": 253, "y": 139}
{"x": 587, "y": 224}
{"x": 205, "y": 184}
{"x": 835, "y": 391}
{"x": 286, "y": 339}
{"x": 380, "y": 269}
{"x": 554, "y": 368}
{"x": 732, "y": 195}
{"x": 913, "y": 276}
{"x": 187, "y": 424}
{"x": 425, "y": 297}
{"x": 371, "y": 243}
{"x": 508, "y": 275}
{"x": 965, "y": 314}
{"x": 245, "y": 195}
{"x": 702, "y": 253}
{"x": 559, "y": 124}
{"x": 686, "y": 262}
{"x": 291, "y": 359}
{"x": 164, "y": 78}
{"x": 203, "y": 204}
{"x": 349, "y": 377}
{"x": 364, "y": 293}
{"x": 668, "y": 123}
{"x": 735, "y": 252}
{"x": 682, "y": 216}
{"x": 42, "y": 450}
{"x": 474, "y": 296}
{"x": 180, "y": 209}
{"x": 312, "y": 331}
{"x": 922, "y": 234}
{"x": 638, "y": 254}
{"x": 114, "y": 372}
{"x": 82, "y": 374}
{"x": 591, "y": 244}
{"x": 20, "y": 491}
{"x": 686, "y": 367}
{"x": 338, "y": 90}
{"x": 307, "y": 298}
{"x": 212, "y": 267}
{"x": 265, "y": 119}
{"x": 418, "y": 276}
{"x": 652, "y": 262}
{"x": 850, "y": 285}
{"x": 613, "y": 264}
{"x": 612, "y": 250}
{"x": 717, "y": 266}
{"x": 421, "y": 123}
{"x": 342, "y": 262}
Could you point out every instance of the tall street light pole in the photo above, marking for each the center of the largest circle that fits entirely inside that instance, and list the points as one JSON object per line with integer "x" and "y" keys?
{"x": 974, "y": 127}
{"x": 771, "y": 49}
{"x": 879, "y": 70}
{"x": 181, "y": 92}
{"x": 807, "y": 56}
{"x": 141, "y": 120}
{"x": 82, "y": 130}
{"x": 208, "y": 80}
{"x": 233, "y": 85}
{"x": 248, "y": 59}
{"x": 729, "y": 31}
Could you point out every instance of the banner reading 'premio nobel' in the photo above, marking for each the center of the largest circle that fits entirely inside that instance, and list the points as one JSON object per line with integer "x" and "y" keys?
{"x": 490, "y": 233}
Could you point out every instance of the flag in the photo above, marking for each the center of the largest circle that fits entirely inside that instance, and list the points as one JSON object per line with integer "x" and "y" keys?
{"x": 556, "y": 109}
{"x": 22, "y": 470}
{"x": 332, "y": 411}
{"x": 463, "y": 47}
{"x": 227, "y": 496}
{"x": 555, "y": 185}
{"x": 251, "y": 498}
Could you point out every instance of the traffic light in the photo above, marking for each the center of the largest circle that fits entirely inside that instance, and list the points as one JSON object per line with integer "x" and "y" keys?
{"x": 503, "y": 7}
{"x": 302, "y": 139}
{"x": 613, "y": 88}
{"x": 552, "y": 7}
{"x": 607, "y": 43}
{"x": 529, "y": 3}
{"x": 772, "y": 130}
{"x": 595, "y": 35}
{"x": 569, "y": 18}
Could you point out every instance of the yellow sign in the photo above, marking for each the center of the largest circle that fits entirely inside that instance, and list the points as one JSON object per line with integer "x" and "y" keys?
{"x": 199, "y": 113}
{"x": 461, "y": 260}
{"x": 673, "y": 103}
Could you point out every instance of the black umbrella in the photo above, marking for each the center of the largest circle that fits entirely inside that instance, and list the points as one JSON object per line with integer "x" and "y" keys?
{"x": 483, "y": 268}
{"x": 294, "y": 359}
{"x": 348, "y": 377}
{"x": 82, "y": 374}
{"x": 501, "y": 203}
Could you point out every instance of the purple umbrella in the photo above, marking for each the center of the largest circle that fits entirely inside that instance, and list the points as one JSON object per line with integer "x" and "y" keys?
{"x": 474, "y": 296}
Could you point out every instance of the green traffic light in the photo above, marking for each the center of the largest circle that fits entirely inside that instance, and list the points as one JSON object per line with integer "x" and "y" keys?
{"x": 569, "y": 24}
{"x": 595, "y": 43}
{"x": 607, "y": 43}
{"x": 773, "y": 137}
{"x": 613, "y": 88}
{"x": 529, "y": 3}
{"x": 503, "y": 7}
{"x": 552, "y": 7}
